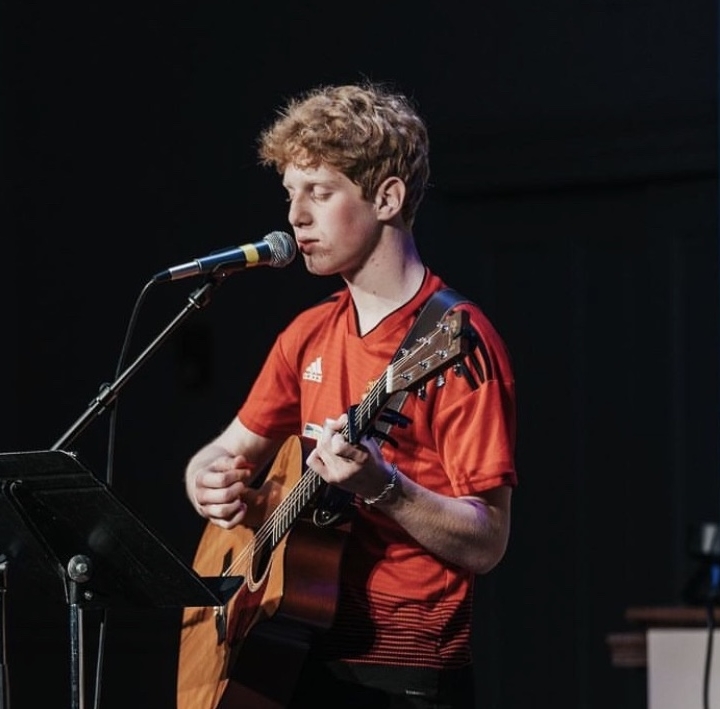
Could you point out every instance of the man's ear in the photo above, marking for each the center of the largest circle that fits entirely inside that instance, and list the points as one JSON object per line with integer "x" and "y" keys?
{"x": 389, "y": 198}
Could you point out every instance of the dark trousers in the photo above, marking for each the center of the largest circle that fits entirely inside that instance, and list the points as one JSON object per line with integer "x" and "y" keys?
{"x": 352, "y": 686}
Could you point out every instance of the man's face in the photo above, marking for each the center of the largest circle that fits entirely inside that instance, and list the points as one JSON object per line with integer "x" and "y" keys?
{"x": 335, "y": 227}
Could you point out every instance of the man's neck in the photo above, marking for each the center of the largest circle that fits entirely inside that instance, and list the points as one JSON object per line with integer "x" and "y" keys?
{"x": 384, "y": 286}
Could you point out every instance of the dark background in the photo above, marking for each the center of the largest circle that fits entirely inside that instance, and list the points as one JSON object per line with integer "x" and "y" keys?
{"x": 574, "y": 195}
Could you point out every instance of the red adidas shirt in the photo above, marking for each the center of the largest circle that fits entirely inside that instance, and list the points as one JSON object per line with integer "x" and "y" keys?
{"x": 398, "y": 604}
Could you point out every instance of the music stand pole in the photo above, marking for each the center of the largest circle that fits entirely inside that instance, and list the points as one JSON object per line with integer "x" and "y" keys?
{"x": 78, "y": 572}
{"x": 4, "y": 677}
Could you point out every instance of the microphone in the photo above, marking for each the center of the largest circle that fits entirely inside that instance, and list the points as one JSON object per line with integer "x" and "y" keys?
{"x": 276, "y": 249}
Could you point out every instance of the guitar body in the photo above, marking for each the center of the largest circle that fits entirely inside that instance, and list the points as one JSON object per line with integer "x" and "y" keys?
{"x": 287, "y": 593}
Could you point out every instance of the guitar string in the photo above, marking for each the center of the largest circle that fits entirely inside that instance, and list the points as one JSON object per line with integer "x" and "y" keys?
{"x": 301, "y": 493}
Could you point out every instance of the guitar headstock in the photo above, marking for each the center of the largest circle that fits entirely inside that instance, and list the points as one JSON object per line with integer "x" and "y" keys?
{"x": 433, "y": 353}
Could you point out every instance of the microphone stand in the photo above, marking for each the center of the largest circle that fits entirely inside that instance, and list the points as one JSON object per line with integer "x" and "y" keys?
{"x": 196, "y": 300}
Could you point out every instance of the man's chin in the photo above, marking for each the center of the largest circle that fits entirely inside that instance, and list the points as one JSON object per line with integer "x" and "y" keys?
{"x": 317, "y": 267}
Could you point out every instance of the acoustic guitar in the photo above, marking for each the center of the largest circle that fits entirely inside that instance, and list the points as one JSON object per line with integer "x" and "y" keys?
{"x": 248, "y": 653}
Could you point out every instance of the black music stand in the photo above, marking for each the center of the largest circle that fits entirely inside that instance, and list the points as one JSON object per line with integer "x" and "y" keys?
{"x": 63, "y": 522}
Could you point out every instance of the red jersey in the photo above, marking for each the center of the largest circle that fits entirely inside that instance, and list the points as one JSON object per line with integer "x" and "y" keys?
{"x": 398, "y": 603}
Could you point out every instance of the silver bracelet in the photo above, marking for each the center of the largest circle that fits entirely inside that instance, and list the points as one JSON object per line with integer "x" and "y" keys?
{"x": 387, "y": 489}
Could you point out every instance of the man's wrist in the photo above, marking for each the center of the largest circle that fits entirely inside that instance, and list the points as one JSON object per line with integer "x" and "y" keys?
{"x": 385, "y": 492}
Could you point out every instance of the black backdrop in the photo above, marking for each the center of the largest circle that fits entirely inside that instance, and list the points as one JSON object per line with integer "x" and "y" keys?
{"x": 574, "y": 195}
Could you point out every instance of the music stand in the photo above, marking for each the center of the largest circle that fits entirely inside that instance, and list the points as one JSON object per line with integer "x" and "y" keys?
{"x": 63, "y": 522}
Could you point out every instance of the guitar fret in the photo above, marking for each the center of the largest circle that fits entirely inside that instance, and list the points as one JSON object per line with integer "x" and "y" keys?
{"x": 290, "y": 508}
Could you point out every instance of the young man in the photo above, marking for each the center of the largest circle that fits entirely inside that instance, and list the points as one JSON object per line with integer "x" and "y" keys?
{"x": 430, "y": 509}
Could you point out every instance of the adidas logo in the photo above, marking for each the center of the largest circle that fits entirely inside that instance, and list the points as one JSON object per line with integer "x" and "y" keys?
{"x": 313, "y": 372}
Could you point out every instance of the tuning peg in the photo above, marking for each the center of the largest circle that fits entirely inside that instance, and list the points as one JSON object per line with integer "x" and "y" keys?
{"x": 461, "y": 370}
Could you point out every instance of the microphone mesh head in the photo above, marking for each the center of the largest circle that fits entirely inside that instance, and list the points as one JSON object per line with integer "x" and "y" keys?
{"x": 282, "y": 248}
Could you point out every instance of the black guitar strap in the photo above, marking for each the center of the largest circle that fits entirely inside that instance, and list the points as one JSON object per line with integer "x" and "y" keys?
{"x": 436, "y": 307}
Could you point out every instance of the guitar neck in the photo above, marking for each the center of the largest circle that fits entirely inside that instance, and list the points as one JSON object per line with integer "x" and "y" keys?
{"x": 293, "y": 505}
{"x": 431, "y": 354}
